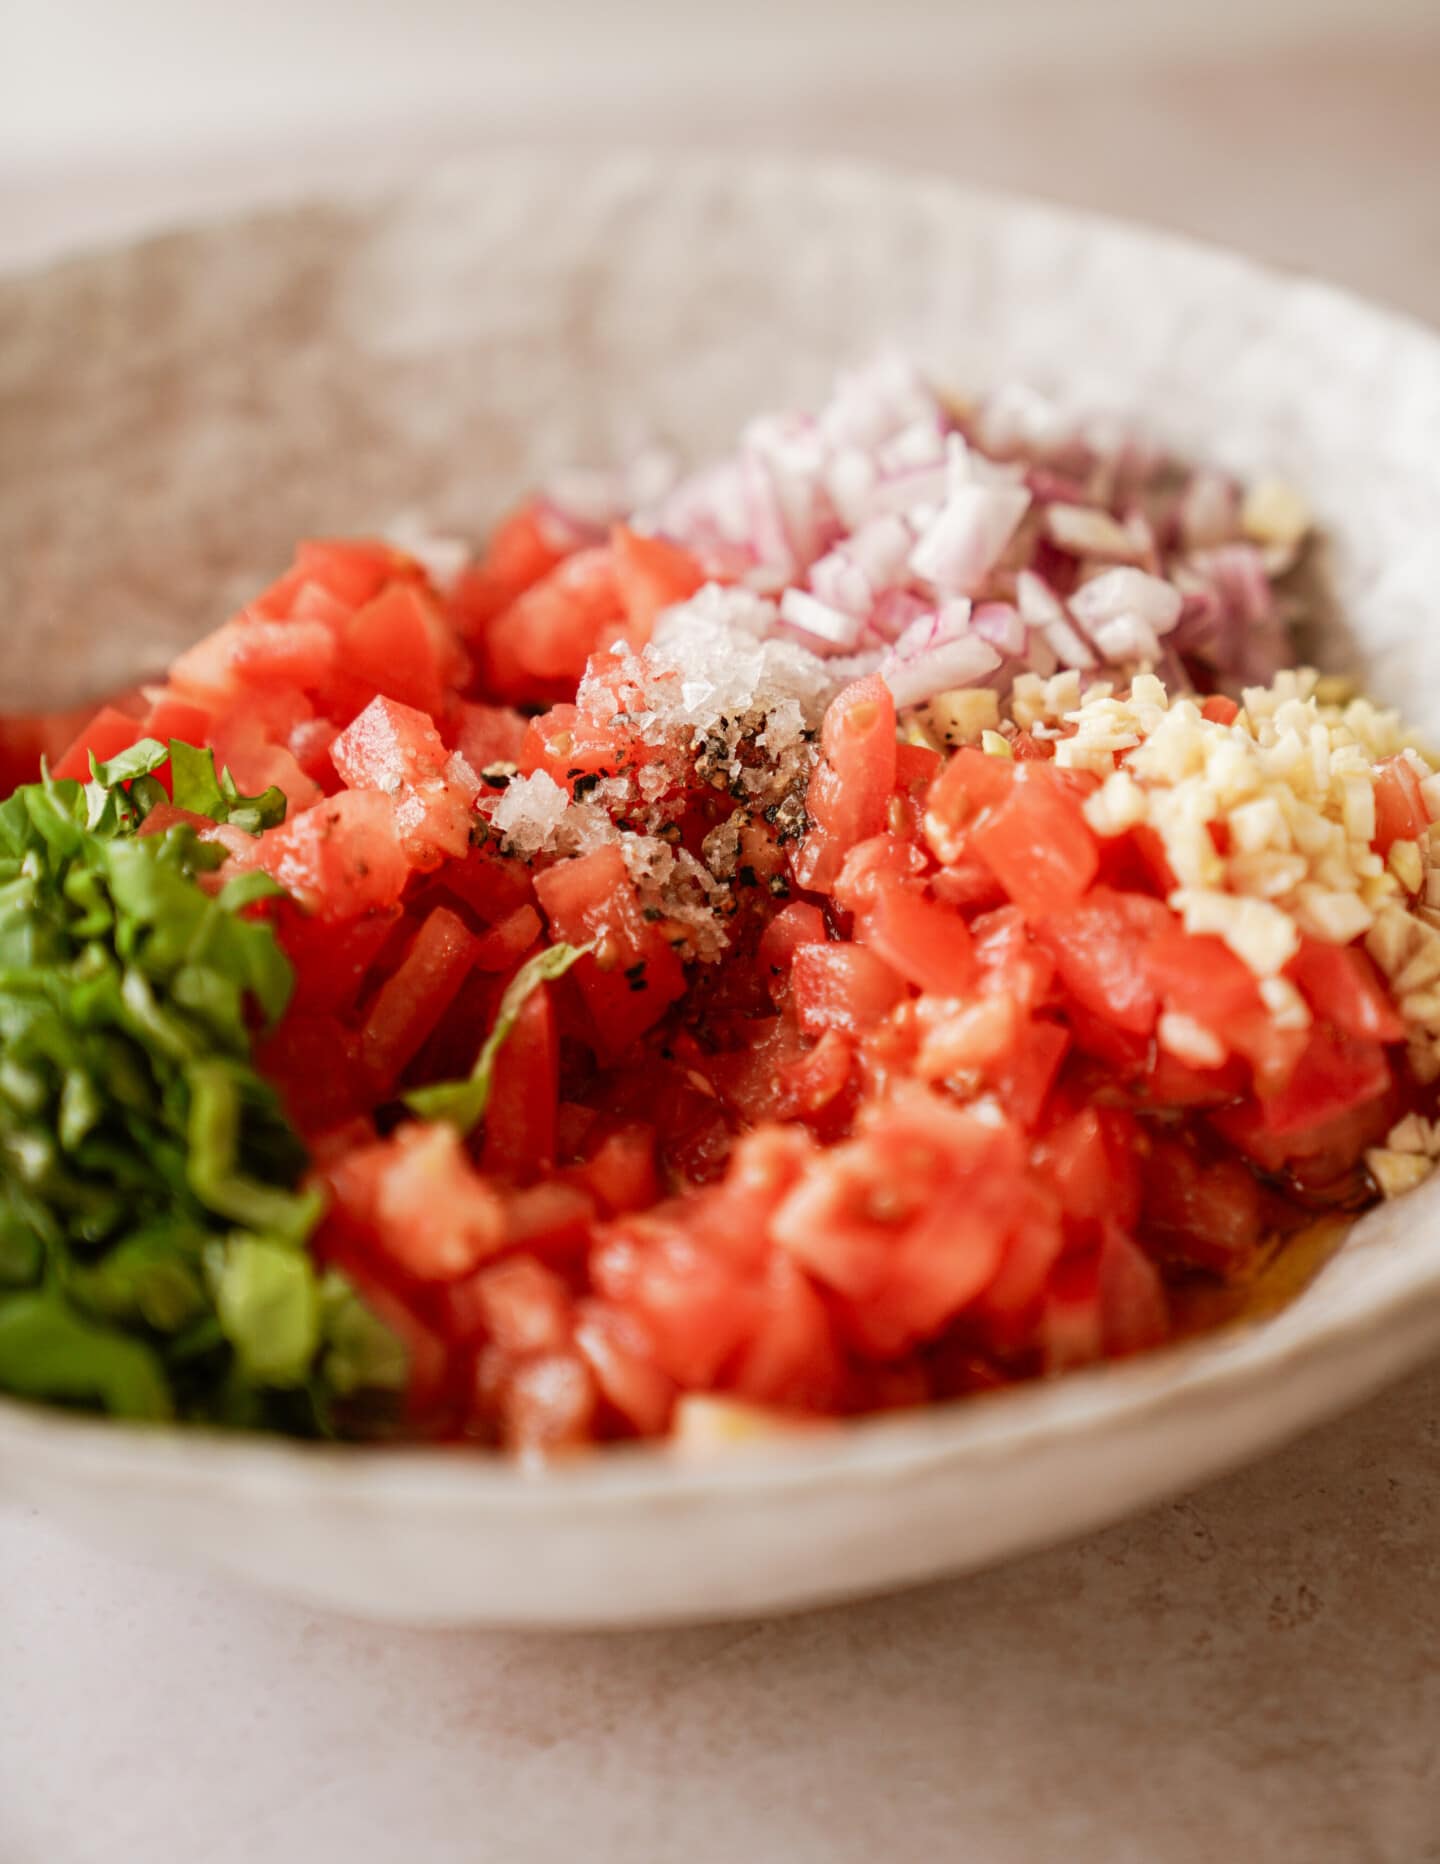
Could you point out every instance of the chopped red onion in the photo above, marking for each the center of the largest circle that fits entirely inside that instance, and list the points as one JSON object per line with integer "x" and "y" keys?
{"x": 895, "y": 611}
{"x": 1209, "y": 511}
{"x": 882, "y": 549}
{"x": 968, "y": 537}
{"x": 1085, "y": 531}
{"x": 819, "y": 620}
{"x": 1000, "y": 624}
{"x": 875, "y": 522}
{"x": 964, "y": 661}
{"x": 1123, "y": 593}
{"x": 1127, "y": 636}
{"x": 839, "y": 580}
{"x": 1069, "y": 646}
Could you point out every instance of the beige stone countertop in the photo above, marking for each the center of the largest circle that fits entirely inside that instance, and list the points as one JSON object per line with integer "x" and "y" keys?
{"x": 1249, "y": 1674}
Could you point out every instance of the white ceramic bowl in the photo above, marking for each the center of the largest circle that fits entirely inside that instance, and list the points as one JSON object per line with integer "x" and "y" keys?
{"x": 187, "y": 407}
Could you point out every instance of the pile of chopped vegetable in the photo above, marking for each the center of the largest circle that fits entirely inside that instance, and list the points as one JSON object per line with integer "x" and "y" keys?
{"x": 865, "y": 924}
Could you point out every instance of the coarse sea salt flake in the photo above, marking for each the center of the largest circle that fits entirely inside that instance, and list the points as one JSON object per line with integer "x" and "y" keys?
{"x": 530, "y": 811}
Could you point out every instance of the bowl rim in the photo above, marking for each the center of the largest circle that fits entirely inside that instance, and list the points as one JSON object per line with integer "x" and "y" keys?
{"x": 876, "y": 1449}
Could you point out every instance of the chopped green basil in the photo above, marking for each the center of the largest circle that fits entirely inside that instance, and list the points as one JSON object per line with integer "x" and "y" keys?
{"x": 153, "y": 1221}
{"x": 462, "y": 1103}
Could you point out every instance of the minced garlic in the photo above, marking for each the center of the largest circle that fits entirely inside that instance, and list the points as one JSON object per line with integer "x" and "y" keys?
{"x": 1266, "y": 823}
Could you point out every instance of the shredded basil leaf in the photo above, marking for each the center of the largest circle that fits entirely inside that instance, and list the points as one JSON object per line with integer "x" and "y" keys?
{"x": 195, "y": 786}
{"x": 153, "y": 1220}
{"x": 462, "y": 1103}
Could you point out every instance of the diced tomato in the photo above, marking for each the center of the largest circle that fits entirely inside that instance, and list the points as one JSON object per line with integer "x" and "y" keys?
{"x": 748, "y": 1076}
{"x": 519, "y": 1137}
{"x": 916, "y": 768}
{"x": 853, "y": 782}
{"x": 546, "y": 1404}
{"x": 173, "y": 717}
{"x": 971, "y": 782}
{"x": 1024, "y": 1076}
{"x": 873, "y": 865}
{"x": 518, "y": 1303}
{"x": 283, "y": 653}
{"x": 1011, "y": 961}
{"x": 842, "y": 987}
{"x": 621, "y": 1354}
{"x": 309, "y": 744}
{"x": 242, "y": 742}
{"x": 1219, "y": 709}
{"x": 1341, "y": 984}
{"x": 416, "y": 995}
{"x": 1135, "y": 1314}
{"x": 331, "y": 962}
{"x": 794, "y": 925}
{"x": 1102, "y": 947}
{"x": 165, "y": 816}
{"x": 1400, "y": 811}
{"x": 488, "y": 734}
{"x": 388, "y": 745}
{"x": 566, "y": 746}
{"x": 1090, "y": 1159}
{"x": 1208, "y": 1211}
{"x": 793, "y": 1359}
{"x": 352, "y": 569}
{"x": 524, "y": 547}
{"x": 399, "y": 645}
{"x": 395, "y": 749}
{"x": 968, "y": 884}
{"x": 619, "y": 1169}
{"x": 489, "y": 885}
{"x": 1037, "y": 842}
{"x": 543, "y": 639}
{"x": 342, "y": 857}
{"x": 928, "y": 944}
{"x": 551, "y": 1219}
{"x": 1335, "y": 1074}
{"x": 1199, "y": 976}
{"x": 813, "y": 1081}
{"x": 651, "y": 575}
{"x": 879, "y": 1218}
{"x": 632, "y": 976}
{"x": 1322, "y": 1161}
{"x": 106, "y": 736}
{"x": 1035, "y": 1238}
{"x": 312, "y": 601}
{"x": 506, "y": 943}
{"x": 1170, "y": 1082}
{"x": 696, "y": 1307}
{"x": 436, "y": 1218}
{"x": 314, "y": 1061}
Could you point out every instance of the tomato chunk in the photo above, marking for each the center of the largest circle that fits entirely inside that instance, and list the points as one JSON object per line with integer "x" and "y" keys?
{"x": 926, "y": 943}
{"x": 1037, "y": 842}
{"x": 651, "y": 575}
{"x": 632, "y": 975}
{"x": 1400, "y": 811}
{"x": 417, "y": 994}
{"x": 106, "y": 736}
{"x": 853, "y": 781}
{"x": 842, "y": 987}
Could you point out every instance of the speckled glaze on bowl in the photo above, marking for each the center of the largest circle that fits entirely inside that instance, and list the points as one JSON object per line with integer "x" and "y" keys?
{"x": 174, "y": 414}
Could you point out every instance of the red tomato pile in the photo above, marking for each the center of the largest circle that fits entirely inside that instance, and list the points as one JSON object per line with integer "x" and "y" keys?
{"x": 910, "y": 1136}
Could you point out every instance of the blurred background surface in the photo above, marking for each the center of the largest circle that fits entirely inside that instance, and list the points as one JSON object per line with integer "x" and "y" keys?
{"x": 1305, "y": 131}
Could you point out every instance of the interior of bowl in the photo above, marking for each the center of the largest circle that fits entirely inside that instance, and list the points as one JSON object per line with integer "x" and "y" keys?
{"x": 174, "y": 415}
